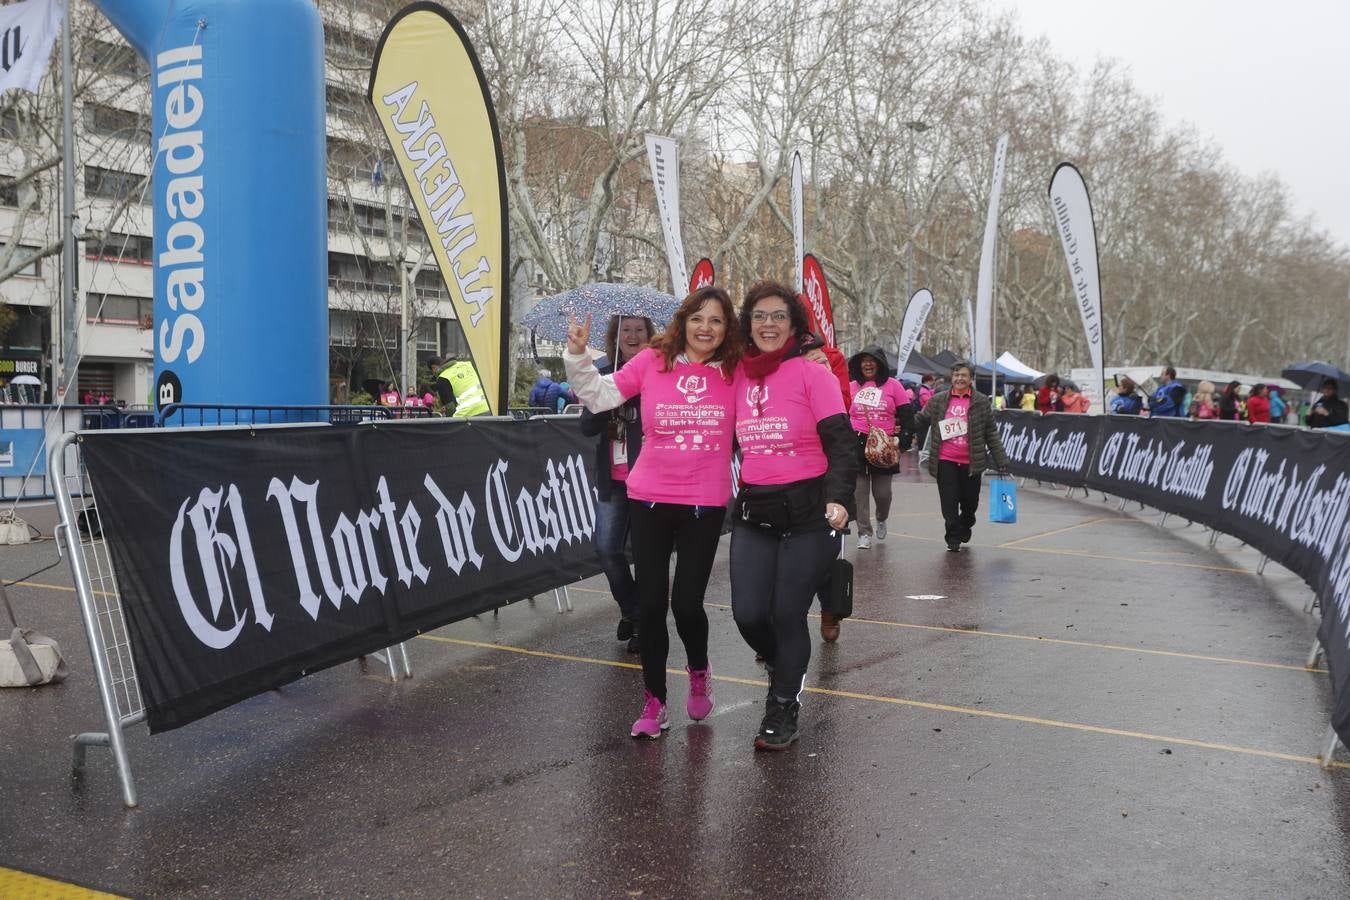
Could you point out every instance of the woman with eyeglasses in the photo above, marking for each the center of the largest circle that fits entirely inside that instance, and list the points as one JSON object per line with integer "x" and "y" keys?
{"x": 798, "y": 468}
{"x": 619, "y": 433}
{"x": 678, "y": 488}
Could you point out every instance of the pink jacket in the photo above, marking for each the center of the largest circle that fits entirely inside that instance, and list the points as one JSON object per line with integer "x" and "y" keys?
{"x": 1076, "y": 403}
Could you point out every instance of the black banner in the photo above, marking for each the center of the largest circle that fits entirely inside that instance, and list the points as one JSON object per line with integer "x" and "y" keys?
{"x": 247, "y": 558}
{"x": 1057, "y": 447}
{"x": 1284, "y": 491}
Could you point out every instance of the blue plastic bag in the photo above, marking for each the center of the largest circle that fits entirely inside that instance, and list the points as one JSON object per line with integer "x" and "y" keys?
{"x": 1003, "y": 501}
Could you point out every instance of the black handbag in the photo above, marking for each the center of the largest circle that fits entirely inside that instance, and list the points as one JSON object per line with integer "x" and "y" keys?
{"x": 841, "y": 588}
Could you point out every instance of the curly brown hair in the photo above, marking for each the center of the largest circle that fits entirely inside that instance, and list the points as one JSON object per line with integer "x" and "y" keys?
{"x": 671, "y": 343}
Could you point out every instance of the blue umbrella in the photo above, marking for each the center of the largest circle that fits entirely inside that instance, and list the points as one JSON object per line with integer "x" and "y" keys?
{"x": 910, "y": 378}
{"x": 1310, "y": 375}
{"x": 548, "y": 319}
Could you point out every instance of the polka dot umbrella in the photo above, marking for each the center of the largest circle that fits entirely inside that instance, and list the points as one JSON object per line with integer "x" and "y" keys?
{"x": 548, "y": 319}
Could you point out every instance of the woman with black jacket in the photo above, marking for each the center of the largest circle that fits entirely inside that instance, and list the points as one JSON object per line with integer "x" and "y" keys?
{"x": 961, "y": 443}
{"x": 620, "y": 440}
{"x": 1230, "y": 403}
{"x": 798, "y": 469}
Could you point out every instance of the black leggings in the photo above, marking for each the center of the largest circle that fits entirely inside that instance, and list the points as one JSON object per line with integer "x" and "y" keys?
{"x": 959, "y": 495}
{"x": 691, "y": 532}
{"x": 772, "y": 582}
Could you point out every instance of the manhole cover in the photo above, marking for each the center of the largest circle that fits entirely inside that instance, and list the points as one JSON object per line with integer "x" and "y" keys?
{"x": 925, "y": 596}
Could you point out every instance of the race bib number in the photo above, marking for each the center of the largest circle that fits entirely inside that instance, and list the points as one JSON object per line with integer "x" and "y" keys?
{"x": 618, "y": 453}
{"x": 952, "y": 428}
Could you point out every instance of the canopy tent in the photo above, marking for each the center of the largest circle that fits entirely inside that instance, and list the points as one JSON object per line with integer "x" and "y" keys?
{"x": 946, "y": 359}
{"x": 1006, "y": 375}
{"x": 923, "y": 365}
{"x": 1007, "y": 361}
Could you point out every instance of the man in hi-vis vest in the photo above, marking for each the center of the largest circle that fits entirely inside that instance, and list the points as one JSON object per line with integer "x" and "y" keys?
{"x": 460, "y": 390}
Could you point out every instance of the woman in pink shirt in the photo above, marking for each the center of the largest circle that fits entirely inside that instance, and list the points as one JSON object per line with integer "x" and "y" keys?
{"x": 798, "y": 469}
{"x": 962, "y": 443}
{"x": 678, "y": 488}
{"x": 1074, "y": 400}
{"x": 879, "y": 401}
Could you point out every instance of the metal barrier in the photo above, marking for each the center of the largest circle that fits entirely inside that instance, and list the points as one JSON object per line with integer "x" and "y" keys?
{"x": 1332, "y": 741}
{"x": 27, "y": 436}
{"x": 177, "y": 415}
{"x": 79, "y": 538}
{"x": 529, "y": 412}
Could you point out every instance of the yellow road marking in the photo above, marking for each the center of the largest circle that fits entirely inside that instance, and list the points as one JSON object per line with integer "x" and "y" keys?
{"x": 14, "y": 883}
{"x": 1091, "y": 644}
{"x": 916, "y": 704}
{"x": 1083, "y": 554}
{"x": 1199, "y": 657}
{"x": 968, "y": 631}
{"x": 1033, "y": 537}
{"x": 51, "y": 587}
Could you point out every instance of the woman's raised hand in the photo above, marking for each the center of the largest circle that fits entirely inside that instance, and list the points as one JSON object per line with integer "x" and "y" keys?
{"x": 578, "y": 334}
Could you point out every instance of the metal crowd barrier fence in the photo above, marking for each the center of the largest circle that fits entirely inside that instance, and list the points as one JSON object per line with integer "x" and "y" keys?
{"x": 79, "y": 538}
{"x": 27, "y": 436}
{"x": 529, "y": 412}
{"x": 28, "y": 433}
{"x": 197, "y": 414}
{"x": 1332, "y": 740}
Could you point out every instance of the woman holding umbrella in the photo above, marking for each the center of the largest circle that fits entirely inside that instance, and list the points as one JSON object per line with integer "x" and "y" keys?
{"x": 619, "y": 433}
{"x": 1048, "y": 396}
{"x": 798, "y": 472}
{"x": 678, "y": 488}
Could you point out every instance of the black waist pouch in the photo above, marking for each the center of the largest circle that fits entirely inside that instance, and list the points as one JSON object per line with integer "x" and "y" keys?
{"x": 841, "y": 588}
{"x": 783, "y": 509}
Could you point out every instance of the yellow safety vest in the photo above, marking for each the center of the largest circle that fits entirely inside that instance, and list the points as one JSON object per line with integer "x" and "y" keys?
{"x": 470, "y": 399}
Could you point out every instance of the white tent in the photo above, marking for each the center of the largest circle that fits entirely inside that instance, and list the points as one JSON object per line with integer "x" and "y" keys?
{"x": 1013, "y": 364}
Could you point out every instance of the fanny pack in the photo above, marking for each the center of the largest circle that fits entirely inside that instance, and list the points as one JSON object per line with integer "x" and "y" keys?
{"x": 782, "y": 509}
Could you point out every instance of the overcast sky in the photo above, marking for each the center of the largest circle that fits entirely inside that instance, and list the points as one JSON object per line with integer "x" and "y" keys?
{"x": 1268, "y": 81}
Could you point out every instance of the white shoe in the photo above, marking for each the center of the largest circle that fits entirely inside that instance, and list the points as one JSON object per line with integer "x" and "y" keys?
{"x": 864, "y": 542}
{"x": 881, "y": 531}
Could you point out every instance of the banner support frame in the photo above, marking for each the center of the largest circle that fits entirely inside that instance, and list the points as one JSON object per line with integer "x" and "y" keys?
{"x": 1333, "y": 740}
{"x": 113, "y": 717}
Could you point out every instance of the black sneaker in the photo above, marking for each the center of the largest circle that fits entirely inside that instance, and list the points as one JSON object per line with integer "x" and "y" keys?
{"x": 633, "y": 645}
{"x": 953, "y": 546}
{"x": 626, "y": 629}
{"x": 965, "y": 536}
{"x": 778, "y": 731}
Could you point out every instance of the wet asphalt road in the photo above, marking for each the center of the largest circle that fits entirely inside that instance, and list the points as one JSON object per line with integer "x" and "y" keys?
{"x": 1097, "y": 707}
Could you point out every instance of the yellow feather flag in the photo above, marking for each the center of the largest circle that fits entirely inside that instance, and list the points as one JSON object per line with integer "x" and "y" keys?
{"x": 429, "y": 92}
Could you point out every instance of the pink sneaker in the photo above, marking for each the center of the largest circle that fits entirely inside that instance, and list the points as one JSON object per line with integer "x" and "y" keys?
{"x": 700, "y": 693}
{"x": 654, "y": 718}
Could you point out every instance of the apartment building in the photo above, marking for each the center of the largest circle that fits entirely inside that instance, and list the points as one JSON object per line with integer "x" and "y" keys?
{"x": 371, "y": 234}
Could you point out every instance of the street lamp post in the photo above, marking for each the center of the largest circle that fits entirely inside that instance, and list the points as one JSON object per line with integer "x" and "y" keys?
{"x": 404, "y": 334}
{"x": 914, "y": 127}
